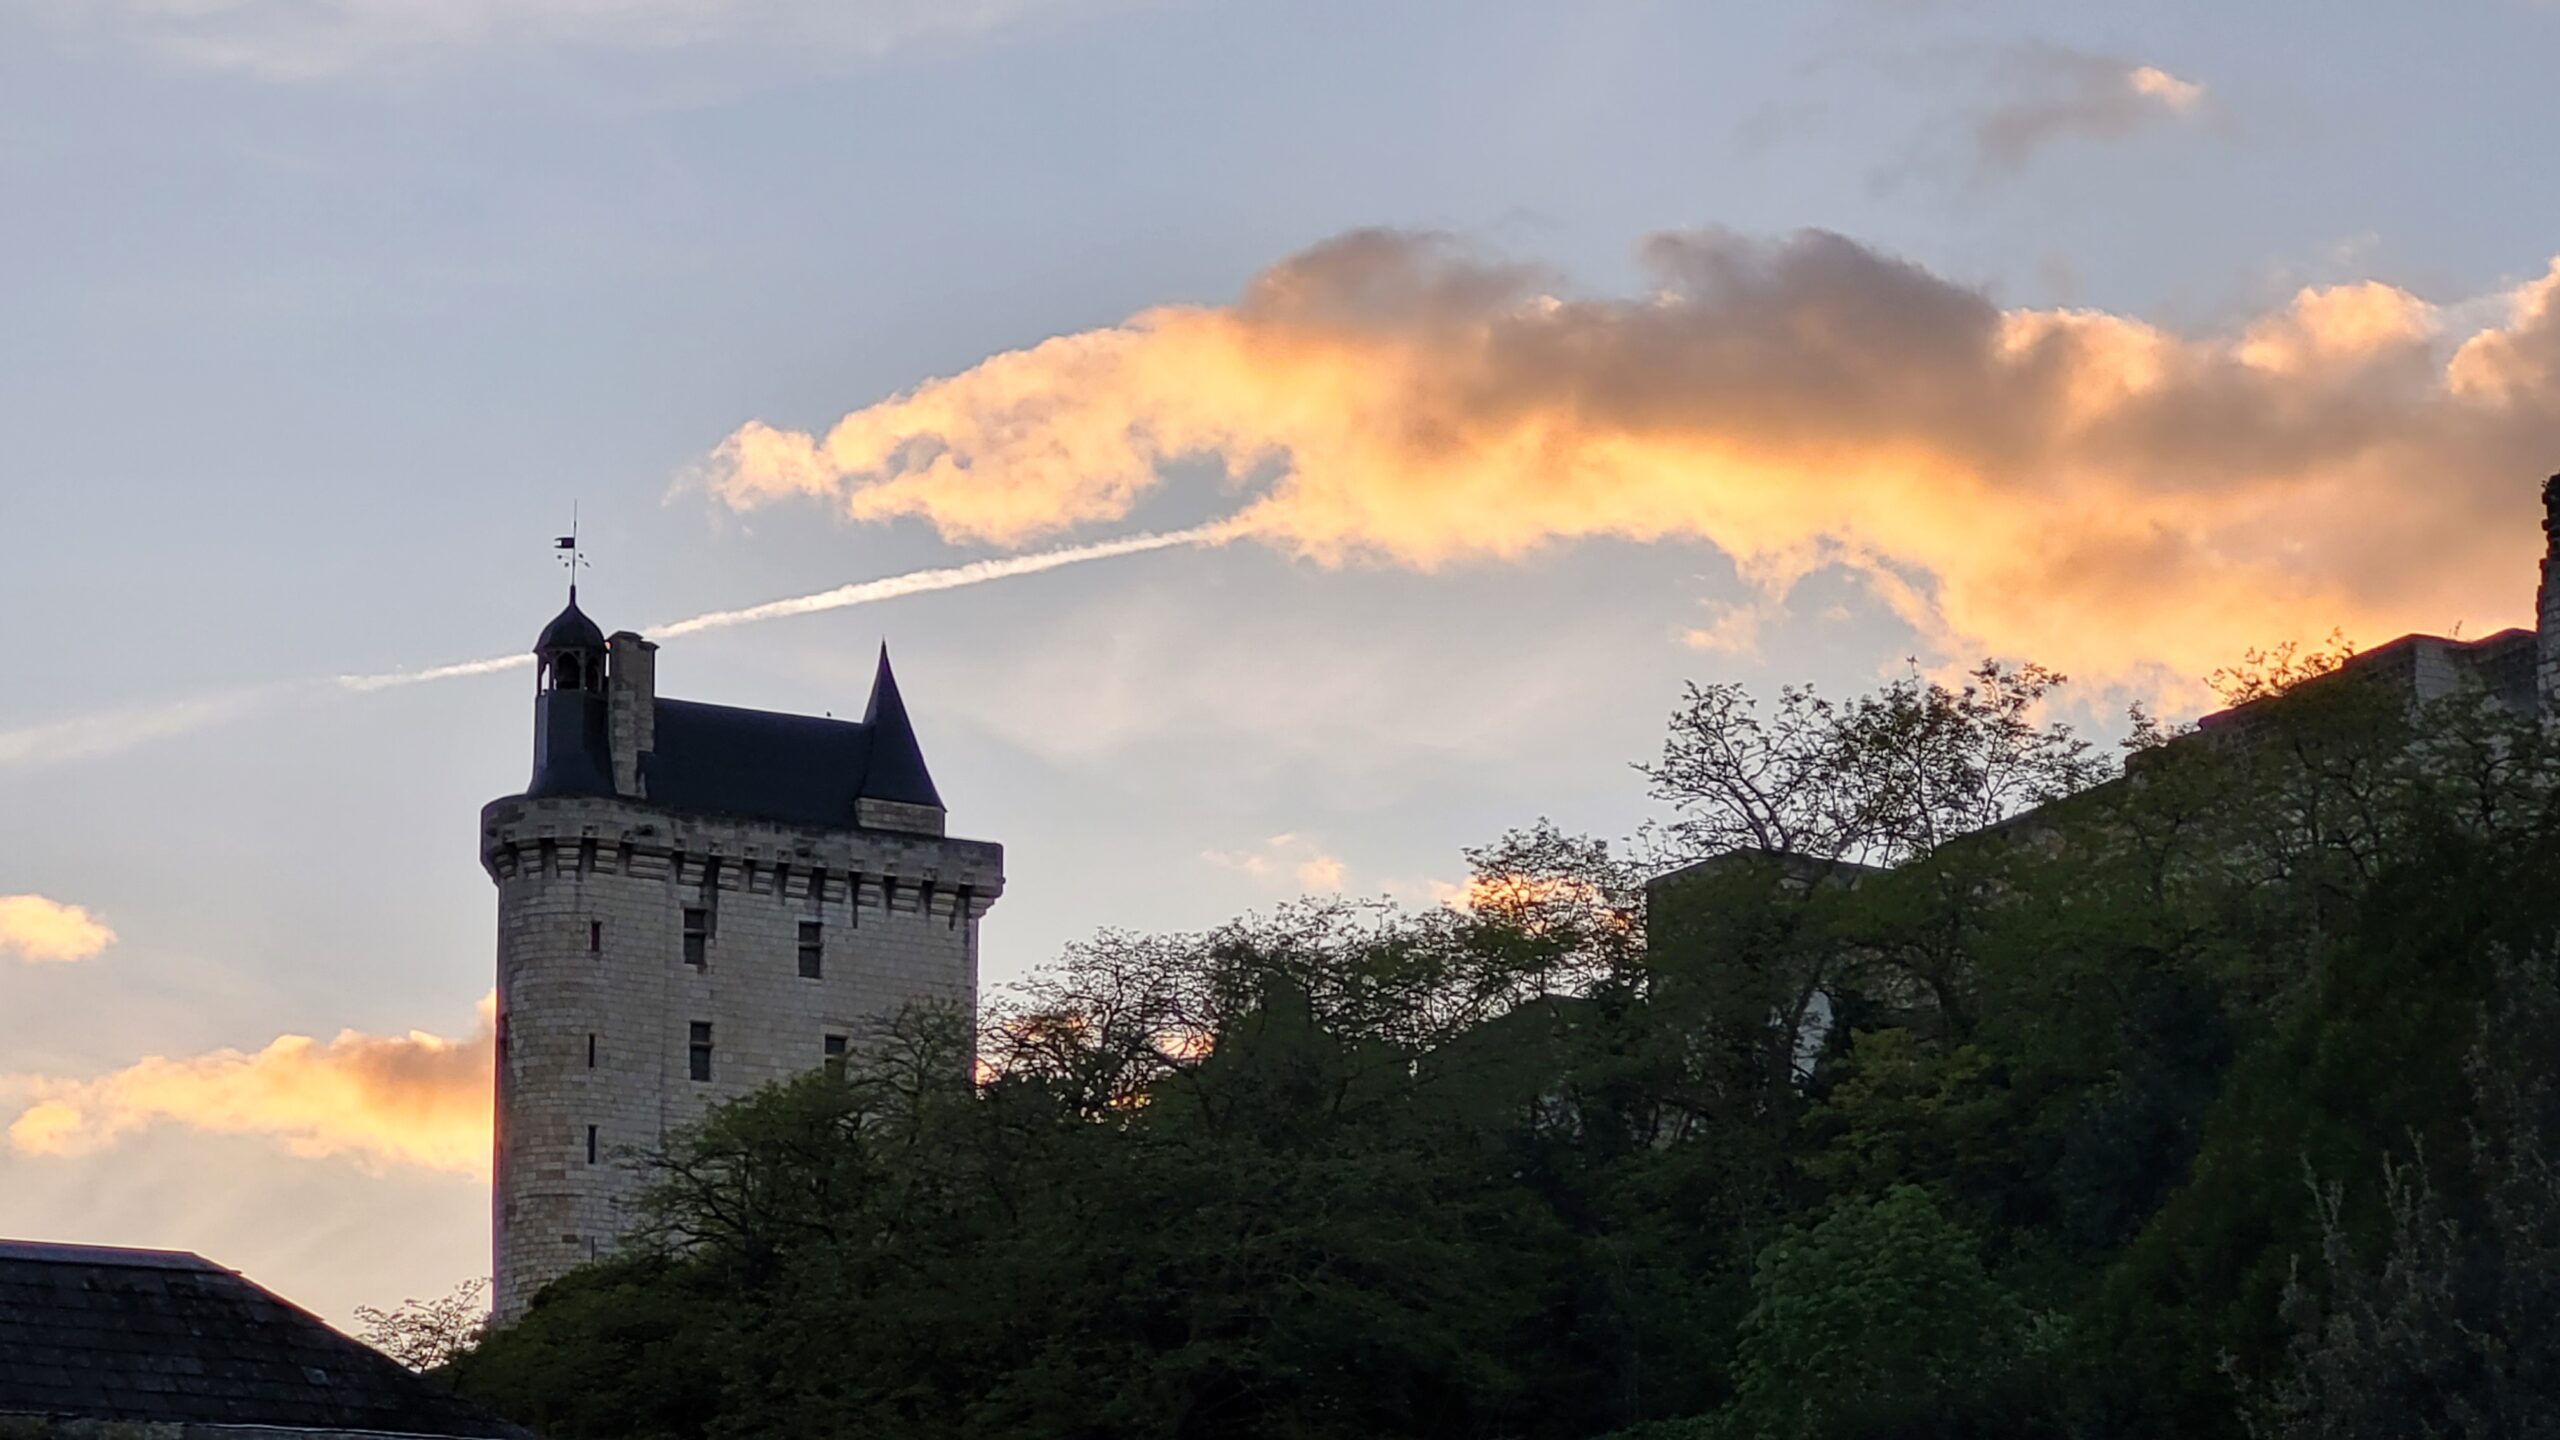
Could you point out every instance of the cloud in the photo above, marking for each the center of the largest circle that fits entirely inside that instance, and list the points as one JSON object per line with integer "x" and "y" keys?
{"x": 109, "y": 732}
{"x": 381, "y": 1100}
{"x": 2133, "y": 505}
{"x": 315, "y": 39}
{"x": 38, "y": 930}
{"x": 1513, "y": 897}
{"x": 2056, "y": 93}
{"x": 1293, "y": 856}
{"x": 1733, "y": 629}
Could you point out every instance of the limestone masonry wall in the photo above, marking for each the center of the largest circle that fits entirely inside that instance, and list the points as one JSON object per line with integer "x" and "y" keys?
{"x": 597, "y": 1000}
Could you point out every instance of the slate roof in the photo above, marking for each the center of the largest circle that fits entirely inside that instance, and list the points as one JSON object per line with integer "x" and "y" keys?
{"x": 798, "y": 769}
{"x": 722, "y": 760}
{"x": 163, "y": 1336}
{"x": 570, "y": 630}
{"x": 896, "y": 770}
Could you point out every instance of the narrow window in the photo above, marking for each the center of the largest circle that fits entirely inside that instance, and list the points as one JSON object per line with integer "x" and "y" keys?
{"x": 591, "y": 1052}
{"x": 835, "y": 1054}
{"x": 595, "y": 937}
{"x": 697, "y": 937}
{"x": 813, "y": 949}
{"x": 700, "y": 1050}
{"x": 591, "y": 1144}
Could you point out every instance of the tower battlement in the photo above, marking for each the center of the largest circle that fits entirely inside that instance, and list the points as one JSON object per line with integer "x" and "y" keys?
{"x": 695, "y": 901}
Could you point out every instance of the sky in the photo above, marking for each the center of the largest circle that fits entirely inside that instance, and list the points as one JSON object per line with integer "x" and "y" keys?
{"x": 1484, "y": 371}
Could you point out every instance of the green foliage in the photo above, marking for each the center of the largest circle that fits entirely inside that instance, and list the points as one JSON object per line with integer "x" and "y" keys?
{"x": 1879, "y": 1319}
{"x": 2442, "y": 1333}
{"x": 2073, "y": 1122}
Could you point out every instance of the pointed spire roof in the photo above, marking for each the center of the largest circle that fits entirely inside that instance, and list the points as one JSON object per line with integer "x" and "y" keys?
{"x": 896, "y": 770}
{"x": 570, "y": 630}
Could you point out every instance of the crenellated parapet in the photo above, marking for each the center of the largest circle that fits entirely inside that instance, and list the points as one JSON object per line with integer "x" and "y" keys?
{"x": 892, "y": 871}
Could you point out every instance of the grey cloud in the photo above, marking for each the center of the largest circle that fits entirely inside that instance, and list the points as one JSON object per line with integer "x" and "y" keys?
{"x": 2054, "y": 92}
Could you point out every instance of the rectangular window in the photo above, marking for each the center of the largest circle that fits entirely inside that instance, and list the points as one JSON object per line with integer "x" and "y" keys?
{"x": 699, "y": 1050}
{"x": 835, "y": 1054}
{"x": 697, "y": 937}
{"x": 813, "y": 949}
{"x": 591, "y": 1052}
{"x": 595, "y": 937}
{"x": 591, "y": 1144}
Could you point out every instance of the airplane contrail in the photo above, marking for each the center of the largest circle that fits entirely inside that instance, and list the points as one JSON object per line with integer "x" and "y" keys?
{"x": 976, "y": 572}
{"x": 84, "y": 737}
{"x": 861, "y": 592}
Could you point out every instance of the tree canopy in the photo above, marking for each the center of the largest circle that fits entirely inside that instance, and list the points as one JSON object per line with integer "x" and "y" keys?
{"x": 1927, "y": 1072}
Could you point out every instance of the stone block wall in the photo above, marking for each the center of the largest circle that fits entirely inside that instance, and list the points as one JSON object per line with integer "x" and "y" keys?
{"x": 597, "y": 1000}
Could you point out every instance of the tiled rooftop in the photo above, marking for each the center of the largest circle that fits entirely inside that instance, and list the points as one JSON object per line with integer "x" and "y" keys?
{"x": 165, "y": 1336}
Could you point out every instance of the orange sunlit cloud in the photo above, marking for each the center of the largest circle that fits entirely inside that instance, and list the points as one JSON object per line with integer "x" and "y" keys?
{"x": 38, "y": 930}
{"x": 2129, "y": 504}
{"x": 1290, "y": 856}
{"x": 2153, "y": 83}
{"x": 381, "y": 1100}
{"x": 1525, "y": 901}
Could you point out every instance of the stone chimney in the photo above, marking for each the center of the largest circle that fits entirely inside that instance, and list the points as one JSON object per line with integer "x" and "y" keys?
{"x": 634, "y": 705}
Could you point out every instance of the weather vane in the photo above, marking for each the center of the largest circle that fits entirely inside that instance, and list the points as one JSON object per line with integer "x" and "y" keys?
{"x": 572, "y": 558}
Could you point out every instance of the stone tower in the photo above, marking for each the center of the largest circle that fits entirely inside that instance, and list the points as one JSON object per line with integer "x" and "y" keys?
{"x": 694, "y": 900}
{"x": 2546, "y": 605}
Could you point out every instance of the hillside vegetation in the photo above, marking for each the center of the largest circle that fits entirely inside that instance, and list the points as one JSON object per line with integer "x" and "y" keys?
{"x": 1997, "y": 1089}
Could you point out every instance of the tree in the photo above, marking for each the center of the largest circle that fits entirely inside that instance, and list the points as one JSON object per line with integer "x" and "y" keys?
{"x": 2446, "y": 1333}
{"x": 1877, "y": 1320}
{"x": 428, "y": 1334}
{"x": 1880, "y": 781}
{"x": 1579, "y": 1153}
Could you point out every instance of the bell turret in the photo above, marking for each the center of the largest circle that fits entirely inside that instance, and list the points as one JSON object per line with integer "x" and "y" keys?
{"x": 572, "y": 749}
{"x": 570, "y": 651}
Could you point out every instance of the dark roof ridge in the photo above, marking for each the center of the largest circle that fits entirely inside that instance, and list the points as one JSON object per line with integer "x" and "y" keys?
{"x": 2512, "y": 632}
{"x": 750, "y": 710}
{"x": 128, "y": 1256}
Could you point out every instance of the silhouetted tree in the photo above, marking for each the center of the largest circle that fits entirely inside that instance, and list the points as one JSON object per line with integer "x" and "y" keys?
{"x": 428, "y": 1334}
